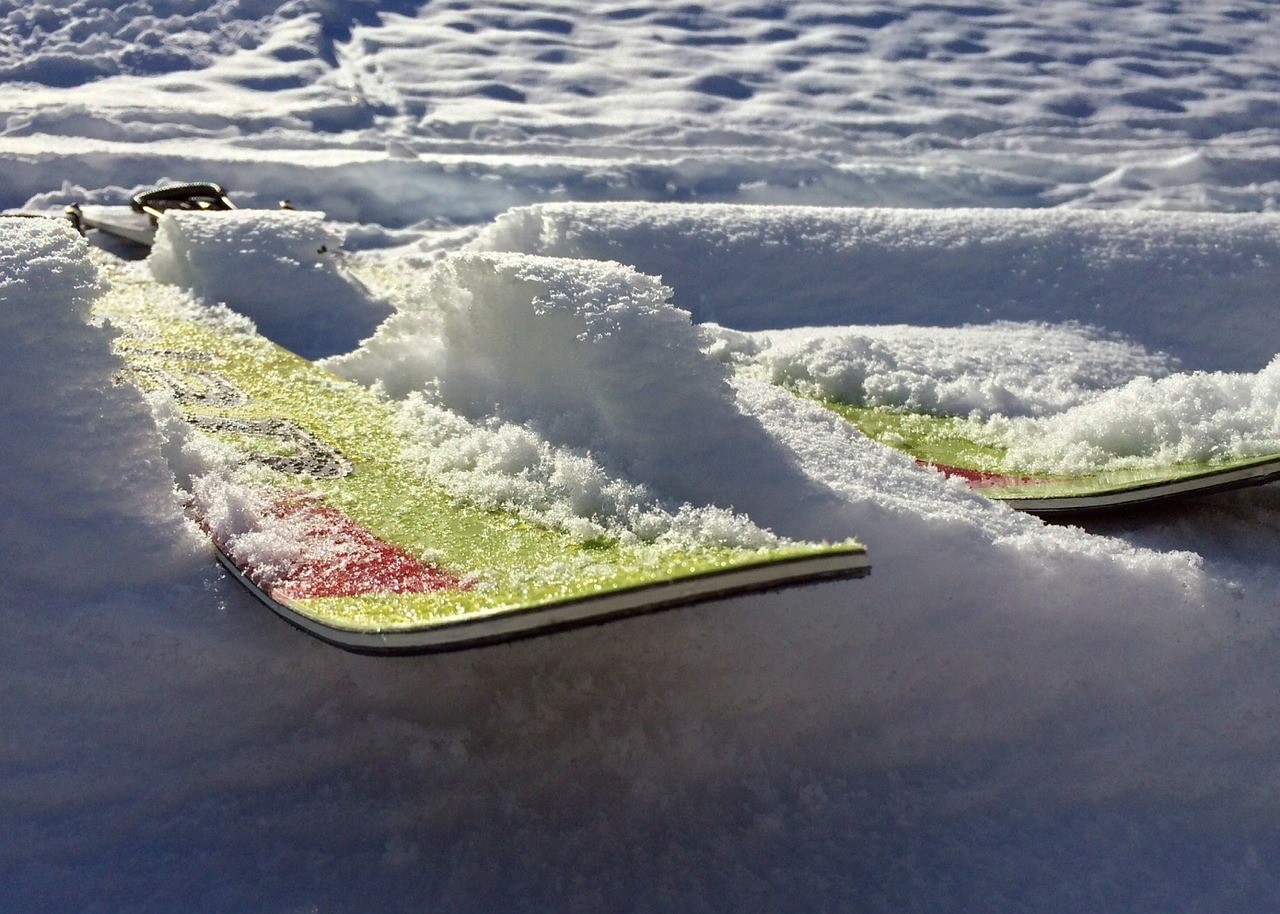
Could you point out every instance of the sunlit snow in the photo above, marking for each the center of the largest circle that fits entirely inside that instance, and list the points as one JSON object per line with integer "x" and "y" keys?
{"x": 601, "y": 236}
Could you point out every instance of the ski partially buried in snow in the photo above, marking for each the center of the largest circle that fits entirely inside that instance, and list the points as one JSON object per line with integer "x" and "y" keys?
{"x": 941, "y": 443}
{"x": 314, "y": 501}
{"x": 136, "y": 223}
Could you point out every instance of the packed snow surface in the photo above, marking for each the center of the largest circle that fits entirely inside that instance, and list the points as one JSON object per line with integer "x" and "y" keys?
{"x": 600, "y": 235}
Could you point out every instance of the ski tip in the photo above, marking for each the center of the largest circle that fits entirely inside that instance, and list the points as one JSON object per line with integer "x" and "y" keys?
{"x": 516, "y": 623}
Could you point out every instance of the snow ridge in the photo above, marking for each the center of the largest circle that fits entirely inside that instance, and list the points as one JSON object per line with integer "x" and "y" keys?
{"x": 81, "y": 455}
{"x": 1158, "y": 278}
{"x": 593, "y": 357}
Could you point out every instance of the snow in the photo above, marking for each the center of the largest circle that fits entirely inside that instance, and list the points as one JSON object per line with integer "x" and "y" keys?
{"x": 275, "y": 268}
{"x": 591, "y": 356}
{"x": 1188, "y": 417}
{"x": 600, "y": 231}
{"x": 1059, "y": 398}
{"x": 1006, "y": 368}
{"x": 510, "y": 466}
{"x": 1156, "y": 277}
{"x": 82, "y": 457}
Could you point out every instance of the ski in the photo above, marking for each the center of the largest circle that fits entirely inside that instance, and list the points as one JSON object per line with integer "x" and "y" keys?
{"x": 136, "y": 223}
{"x": 940, "y": 443}
{"x": 314, "y": 501}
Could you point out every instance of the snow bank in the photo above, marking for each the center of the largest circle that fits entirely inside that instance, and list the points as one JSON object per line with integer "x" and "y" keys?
{"x": 276, "y": 268}
{"x": 1199, "y": 286}
{"x": 592, "y": 356}
{"x": 89, "y": 503}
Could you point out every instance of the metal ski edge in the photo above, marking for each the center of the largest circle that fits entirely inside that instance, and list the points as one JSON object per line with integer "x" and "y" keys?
{"x": 516, "y": 624}
{"x": 1152, "y": 493}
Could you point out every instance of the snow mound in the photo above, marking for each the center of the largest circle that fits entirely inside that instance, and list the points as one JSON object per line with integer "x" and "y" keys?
{"x": 1162, "y": 279}
{"x": 1060, "y": 398}
{"x": 503, "y": 465}
{"x": 1007, "y": 368}
{"x": 1197, "y": 416}
{"x": 90, "y": 504}
{"x": 592, "y": 356}
{"x": 277, "y": 268}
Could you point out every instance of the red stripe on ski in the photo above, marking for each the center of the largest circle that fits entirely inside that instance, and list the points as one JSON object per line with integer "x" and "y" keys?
{"x": 977, "y": 479}
{"x": 351, "y": 560}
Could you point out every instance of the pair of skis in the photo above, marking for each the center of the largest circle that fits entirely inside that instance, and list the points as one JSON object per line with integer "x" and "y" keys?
{"x": 325, "y": 519}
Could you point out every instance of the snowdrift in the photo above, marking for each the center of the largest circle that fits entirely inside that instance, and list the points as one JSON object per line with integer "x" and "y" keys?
{"x": 1200, "y": 286}
{"x": 592, "y": 356}
{"x": 81, "y": 457}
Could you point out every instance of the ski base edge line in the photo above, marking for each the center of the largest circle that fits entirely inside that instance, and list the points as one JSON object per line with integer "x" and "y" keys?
{"x": 519, "y": 624}
{"x": 1153, "y": 494}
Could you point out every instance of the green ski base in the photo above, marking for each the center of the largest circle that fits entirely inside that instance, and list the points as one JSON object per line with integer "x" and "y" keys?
{"x": 940, "y": 442}
{"x": 409, "y": 567}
